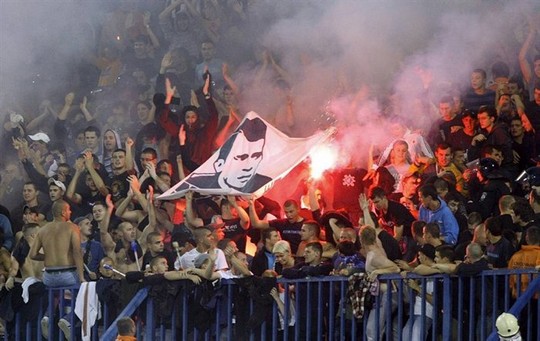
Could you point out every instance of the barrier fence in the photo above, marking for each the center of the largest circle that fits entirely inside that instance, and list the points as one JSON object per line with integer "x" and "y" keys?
{"x": 438, "y": 307}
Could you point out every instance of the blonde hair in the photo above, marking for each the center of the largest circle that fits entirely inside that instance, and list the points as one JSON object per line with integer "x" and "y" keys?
{"x": 282, "y": 246}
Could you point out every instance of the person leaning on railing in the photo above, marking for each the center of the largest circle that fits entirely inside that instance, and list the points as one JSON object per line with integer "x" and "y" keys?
{"x": 526, "y": 258}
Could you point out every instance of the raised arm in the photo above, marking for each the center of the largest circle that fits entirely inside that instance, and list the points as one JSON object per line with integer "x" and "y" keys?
{"x": 523, "y": 62}
{"x": 130, "y": 161}
{"x": 190, "y": 218}
{"x": 98, "y": 181}
{"x": 146, "y": 21}
{"x": 166, "y": 13}
{"x": 227, "y": 77}
{"x": 87, "y": 115}
{"x": 254, "y": 218}
{"x": 364, "y": 206}
{"x": 106, "y": 238}
{"x": 242, "y": 214}
{"x": 151, "y": 169}
{"x": 72, "y": 187}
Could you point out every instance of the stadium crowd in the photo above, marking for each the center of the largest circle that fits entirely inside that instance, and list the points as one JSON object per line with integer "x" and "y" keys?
{"x": 80, "y": 178}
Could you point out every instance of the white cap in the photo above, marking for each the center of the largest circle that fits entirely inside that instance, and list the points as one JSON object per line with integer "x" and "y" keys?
{"x": 40, "y": 137}
{"x": 57, "y": 183}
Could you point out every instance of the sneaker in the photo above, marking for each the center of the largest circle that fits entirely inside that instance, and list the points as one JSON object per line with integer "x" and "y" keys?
{"x": 45, "y": 327}
{"x": 65, "y": 327}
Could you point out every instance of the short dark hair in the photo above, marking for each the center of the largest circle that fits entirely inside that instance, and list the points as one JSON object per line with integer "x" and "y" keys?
{"x": 533, "y": 235}
{"x": 291, "y": 202}
{"x": 488, "y": 150}
{"x": 480, "y": 71}
{"x": 119, "y": 150}
{"x": 266, "y": 233}
{"x": 494, "y": 226}
{"x": 92, "y": 129}
{"x": 376, "y": 192}
{"x": 417, "y": 227}
{"x": 433, "y": 229}
{"x": 444, "y": 146}
{"x": 155, "y": 260}
{"x": 474, "y": 218}
{"x": 500, "y": 69}
{"x": 252, "y": 129}
{"x": 446, "y": 251}
{"x": 314, "y": 227}
{"x": 523, "y": 210}
{"x": 428, "y": 191}
{"x": 150, "y": 150}
{"x": 316, "y": 246}
{"x": 488, "y": 109}
{"x": 125, "y": 326}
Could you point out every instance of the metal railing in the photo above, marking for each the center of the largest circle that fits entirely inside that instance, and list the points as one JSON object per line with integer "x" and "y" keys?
{"x": 447, "y": 308}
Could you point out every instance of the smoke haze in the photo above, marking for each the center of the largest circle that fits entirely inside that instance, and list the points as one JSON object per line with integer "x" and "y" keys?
{"x": 354, "y": 63}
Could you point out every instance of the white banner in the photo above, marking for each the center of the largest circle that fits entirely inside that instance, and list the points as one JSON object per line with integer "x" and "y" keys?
{"x": 249, "y": 162}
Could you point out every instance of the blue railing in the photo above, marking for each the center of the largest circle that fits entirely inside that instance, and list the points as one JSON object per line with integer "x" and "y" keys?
{"x": 463, "y": 308}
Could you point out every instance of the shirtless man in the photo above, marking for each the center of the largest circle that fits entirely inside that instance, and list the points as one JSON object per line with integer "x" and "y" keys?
{"x": 61, "y": 244}
{"x": 20, "y": 261}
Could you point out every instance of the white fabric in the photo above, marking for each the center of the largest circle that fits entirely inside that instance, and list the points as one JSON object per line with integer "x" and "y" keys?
{"x": 188, "y": 259}
{"x": 278, "y": 156}
{"x": 25, "y": 285}
{"x": 92, "y": 309}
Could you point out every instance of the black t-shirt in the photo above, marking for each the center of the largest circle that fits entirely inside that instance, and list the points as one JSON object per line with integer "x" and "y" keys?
{"x": 289, "y": 231}
{"x": 398, "y": 215}
{"x": 390, "y": 246}
{"x": 170, "y": 256}
{"x": 234, "y": 231}
{"x": 499, "y": 254}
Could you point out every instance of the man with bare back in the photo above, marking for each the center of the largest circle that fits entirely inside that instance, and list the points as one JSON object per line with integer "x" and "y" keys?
{"x": 61, "y": 243}
{"x": 19, "y": 260}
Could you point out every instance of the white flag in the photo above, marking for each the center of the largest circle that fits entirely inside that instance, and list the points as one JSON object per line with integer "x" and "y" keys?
{"x": 249, "y": 162}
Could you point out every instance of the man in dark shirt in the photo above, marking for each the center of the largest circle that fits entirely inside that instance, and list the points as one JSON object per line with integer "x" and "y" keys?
{"x": 499, "y": 250}
{"x": 478, "y": 95}
{"x": 288, "y": 227}
{"x": 155, "y": 248}
{"x": 532, "y": 109}
{"x": 264, "y": 259}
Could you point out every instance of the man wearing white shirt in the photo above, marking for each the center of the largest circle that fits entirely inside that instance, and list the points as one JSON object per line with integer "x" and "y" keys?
{"x": 204, "y": 237}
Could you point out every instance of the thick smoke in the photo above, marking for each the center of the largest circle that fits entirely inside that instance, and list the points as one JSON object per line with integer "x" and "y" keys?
{"x": 367, "y": 61}
{"x": 355, "y": 63}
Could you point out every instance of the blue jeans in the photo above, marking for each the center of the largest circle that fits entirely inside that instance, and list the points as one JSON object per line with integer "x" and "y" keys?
{"x": 60, "y": 277}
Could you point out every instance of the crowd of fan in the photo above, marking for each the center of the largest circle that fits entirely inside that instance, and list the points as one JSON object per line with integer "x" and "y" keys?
{"x": 100, "y": 160}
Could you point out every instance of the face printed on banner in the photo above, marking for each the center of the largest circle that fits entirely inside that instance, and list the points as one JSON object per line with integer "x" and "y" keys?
{"x": 241, "y": 155}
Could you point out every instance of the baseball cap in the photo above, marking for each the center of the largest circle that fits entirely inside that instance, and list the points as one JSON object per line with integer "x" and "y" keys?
{"x": 200, "y": 260}
{"x": 57, "y": 183}
{"x": 40, "y": 137}
{"x": 81, "y": 218}
{"x": 33, "y": 209}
